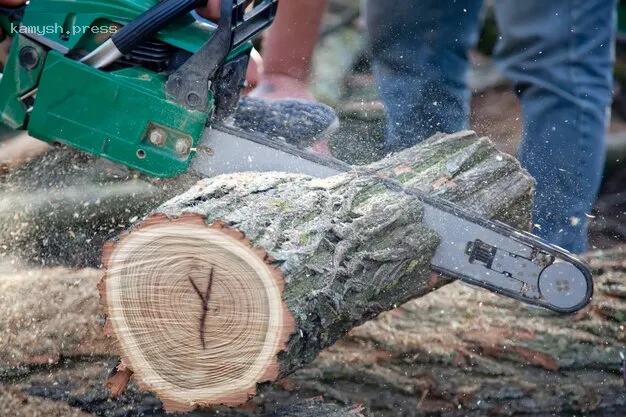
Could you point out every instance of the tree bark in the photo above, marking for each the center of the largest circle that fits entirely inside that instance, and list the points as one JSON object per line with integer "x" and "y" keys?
{"x": 247, "y": 277}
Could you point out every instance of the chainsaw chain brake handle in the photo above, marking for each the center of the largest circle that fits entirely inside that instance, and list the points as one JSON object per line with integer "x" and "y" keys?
{"x": 189, "y": 85}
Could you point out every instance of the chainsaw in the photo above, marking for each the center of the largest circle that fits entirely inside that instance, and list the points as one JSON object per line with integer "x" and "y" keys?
{"x": 166, "y": 83}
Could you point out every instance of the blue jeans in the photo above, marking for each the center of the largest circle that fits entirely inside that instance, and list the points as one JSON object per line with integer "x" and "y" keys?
{"x": 558, "y": 54}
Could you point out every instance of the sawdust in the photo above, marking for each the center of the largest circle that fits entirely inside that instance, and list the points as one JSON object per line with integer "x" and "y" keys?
{"x": 18, "y": 147}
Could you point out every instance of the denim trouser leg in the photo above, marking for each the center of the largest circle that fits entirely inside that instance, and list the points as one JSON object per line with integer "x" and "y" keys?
{"x": 559, "y": 54}
{"x": 420, "y": 63}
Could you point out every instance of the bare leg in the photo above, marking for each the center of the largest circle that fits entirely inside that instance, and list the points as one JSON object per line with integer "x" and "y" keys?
{"x": 287, "y": 49}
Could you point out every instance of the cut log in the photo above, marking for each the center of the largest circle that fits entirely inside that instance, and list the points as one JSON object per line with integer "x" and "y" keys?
{"x": 247, "y": 277}
{"x": 242, "y": 321}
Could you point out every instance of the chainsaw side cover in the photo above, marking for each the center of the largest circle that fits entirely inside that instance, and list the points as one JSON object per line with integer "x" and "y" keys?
{"x": 115, "y": 115}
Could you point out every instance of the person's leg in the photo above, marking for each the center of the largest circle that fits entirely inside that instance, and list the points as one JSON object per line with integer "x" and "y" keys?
{"x": 287, "y": 50}
{"x": 420, "y": 57}
{"x": 559, "y": 54}
{"x": 288, "y": 47}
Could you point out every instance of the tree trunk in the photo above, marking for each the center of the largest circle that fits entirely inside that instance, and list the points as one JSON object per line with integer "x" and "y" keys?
{"x": 247, "y": 277}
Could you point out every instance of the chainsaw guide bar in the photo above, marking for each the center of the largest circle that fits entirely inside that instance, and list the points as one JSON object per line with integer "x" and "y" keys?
{"x": 481, "y": 252}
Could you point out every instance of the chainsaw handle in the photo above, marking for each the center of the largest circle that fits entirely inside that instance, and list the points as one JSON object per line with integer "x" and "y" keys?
{"x": 246, "y": 25}
{"x": 189, "y": 84}
{"x": 151, "y": 22}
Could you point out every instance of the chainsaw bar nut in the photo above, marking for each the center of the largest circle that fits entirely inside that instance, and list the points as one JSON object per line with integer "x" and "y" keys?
{"x": 29, "y": 58}
{"x": 183, "y": 146}
{"x": 158, "y": 137}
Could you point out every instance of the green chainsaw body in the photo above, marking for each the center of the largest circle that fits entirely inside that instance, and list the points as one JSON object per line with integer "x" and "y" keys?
{"x": 111, "y": 113}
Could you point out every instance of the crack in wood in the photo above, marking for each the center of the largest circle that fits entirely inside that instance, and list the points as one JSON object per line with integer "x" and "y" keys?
{"x": 205, "y": 304}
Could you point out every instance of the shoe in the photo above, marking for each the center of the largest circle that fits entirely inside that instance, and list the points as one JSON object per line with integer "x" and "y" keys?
{"x": 302, "y": 123}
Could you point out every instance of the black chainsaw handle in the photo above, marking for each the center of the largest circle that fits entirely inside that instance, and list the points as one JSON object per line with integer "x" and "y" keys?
{"x": 246, "y": 25}
{"x": 189, "y": 84}
{"x": 151, "y": 22}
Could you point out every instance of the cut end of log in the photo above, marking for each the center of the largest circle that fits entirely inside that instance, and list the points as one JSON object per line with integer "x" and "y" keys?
{"x": 196, "y": 310}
